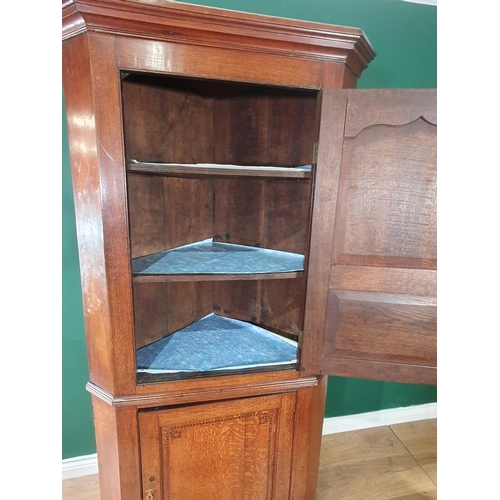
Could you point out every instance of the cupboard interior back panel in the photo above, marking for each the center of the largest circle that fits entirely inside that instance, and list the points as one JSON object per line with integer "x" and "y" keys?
{"x": 183, "y": 120}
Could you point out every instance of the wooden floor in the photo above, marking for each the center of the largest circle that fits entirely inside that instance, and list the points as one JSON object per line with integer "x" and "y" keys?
{"x": 396, "y": 462}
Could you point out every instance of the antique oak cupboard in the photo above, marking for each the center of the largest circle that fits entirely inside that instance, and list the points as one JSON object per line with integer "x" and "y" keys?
{"x": 246, "y": 226}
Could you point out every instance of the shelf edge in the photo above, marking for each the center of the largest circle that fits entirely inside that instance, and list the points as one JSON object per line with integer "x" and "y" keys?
{"x": 203, "y": 170}
{"x": 198, "y": 395}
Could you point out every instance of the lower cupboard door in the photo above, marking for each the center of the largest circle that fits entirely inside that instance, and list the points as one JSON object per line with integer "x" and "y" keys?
{"x": 239, "y": 449}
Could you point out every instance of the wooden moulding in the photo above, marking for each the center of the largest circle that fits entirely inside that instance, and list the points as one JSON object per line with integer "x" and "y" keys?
{"x": 214, "y": 393}
{"x": 219, "y": 28}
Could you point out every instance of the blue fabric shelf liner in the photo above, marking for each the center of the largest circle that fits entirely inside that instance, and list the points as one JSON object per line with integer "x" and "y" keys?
{"x": 209, "y": 257}
{"x": 216, "y": 343}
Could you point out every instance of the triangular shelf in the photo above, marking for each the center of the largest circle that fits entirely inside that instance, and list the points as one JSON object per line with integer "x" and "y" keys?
{"x": 216, "y": 343}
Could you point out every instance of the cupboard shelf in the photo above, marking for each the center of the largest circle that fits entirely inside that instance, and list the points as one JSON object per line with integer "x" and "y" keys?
{"x": 209, "y": 260}
{"x": 218, "y": 170}
{"x": 161, "y": 278}
{"x": 216, "y": 343}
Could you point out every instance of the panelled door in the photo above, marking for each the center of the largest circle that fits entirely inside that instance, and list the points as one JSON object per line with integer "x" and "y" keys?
{"x": 229, "y": 450}
{"x": 371, "y": 296}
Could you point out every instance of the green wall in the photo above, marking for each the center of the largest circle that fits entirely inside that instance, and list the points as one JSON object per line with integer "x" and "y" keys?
{"x": 404, "y": 37}
{"x": 77, "y": 423}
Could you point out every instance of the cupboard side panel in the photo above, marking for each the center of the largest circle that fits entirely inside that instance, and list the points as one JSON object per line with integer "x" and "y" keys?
{"x": 350, "y": 80}
{"x": 166, "y": 125}
{"x": 338, "y": 76}
{"x": 266, "y": 127}
{"x": 307, "y": 440}
{"x": 287, "y": 207}
{"x": 117, "y": 439}
{"x": 241, "y": 127}
{"x": 163, "y": 308}
{"x": 283, "y": 305}
{"x": 273, "y": 304}
{"x": 88, "y": 211}
{"x": 146, "y": 216}
{"x": 291, "y": 130}
{"x": 109, "y": 130}
{"x": 239, "y": 211}
{"x": 96, "y": 147}
{"x": 167, "y": 212}
{"x": 263, "y": 213}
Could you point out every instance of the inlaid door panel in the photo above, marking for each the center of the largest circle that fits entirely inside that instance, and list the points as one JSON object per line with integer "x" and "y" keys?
{"x": 219, "y": 451}
{"x": 379, "y": 299}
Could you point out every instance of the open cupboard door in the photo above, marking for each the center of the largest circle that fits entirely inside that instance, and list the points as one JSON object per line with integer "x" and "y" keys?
{"x": 371, "y": 292}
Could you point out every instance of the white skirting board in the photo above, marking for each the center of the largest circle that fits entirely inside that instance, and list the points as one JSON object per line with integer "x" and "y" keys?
{"x": 379, "y": 418}
{"x": 85, "y": 465}
{"x": 79, "y": 466}
{"x": 424, "y": 2}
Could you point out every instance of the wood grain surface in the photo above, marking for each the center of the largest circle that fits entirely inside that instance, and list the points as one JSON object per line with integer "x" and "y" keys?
{"x": 379, "y": 463}
{"x": 378, "y": 220}
{"x": 396, "y": 462}
{"x": 219, "y": 451}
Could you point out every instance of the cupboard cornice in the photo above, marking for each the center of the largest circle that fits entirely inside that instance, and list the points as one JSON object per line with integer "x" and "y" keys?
{"x": 179, "y": 23}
